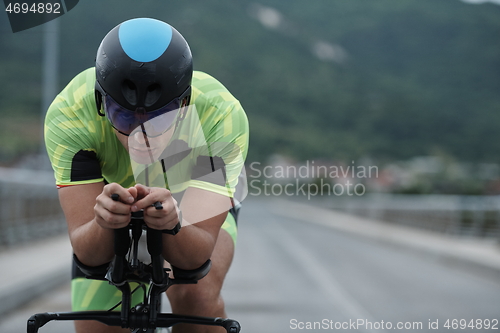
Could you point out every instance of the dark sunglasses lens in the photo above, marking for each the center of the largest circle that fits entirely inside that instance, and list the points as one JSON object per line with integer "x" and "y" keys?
{"x": 155, "y": 122}
{"x": 120, "y": 118}
{"x": 159, "y": 124}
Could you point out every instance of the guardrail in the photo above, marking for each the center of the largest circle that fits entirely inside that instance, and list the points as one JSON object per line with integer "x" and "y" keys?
{"x": 477, "y": 216}
{"x": 29, "y": 206}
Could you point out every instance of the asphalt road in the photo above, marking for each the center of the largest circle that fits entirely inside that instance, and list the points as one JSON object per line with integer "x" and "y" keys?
{"x": 294, "y": 276}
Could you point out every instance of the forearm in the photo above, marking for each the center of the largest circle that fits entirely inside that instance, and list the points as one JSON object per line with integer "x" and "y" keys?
{"x": 92, "y": 216}
{"x": 92, "y": 244}
{"x": 203, "y": 212}
{"x": 193, "y": 245}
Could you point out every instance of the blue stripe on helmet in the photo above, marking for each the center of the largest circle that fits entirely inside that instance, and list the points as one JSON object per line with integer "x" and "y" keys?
{"x": 144, "y": 39}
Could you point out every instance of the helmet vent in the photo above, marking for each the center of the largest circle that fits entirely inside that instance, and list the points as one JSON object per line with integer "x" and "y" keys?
{"x": 129, "y": 91}
{"x": 153, "y": 93}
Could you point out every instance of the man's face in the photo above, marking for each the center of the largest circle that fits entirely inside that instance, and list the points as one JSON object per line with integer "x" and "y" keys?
{"x": 143, "y": 144}
{"x": 142, "y": 148}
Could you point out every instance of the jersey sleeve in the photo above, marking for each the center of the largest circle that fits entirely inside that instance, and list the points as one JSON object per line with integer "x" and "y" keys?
{"x": 70, "y": 133}
{"x": 225, "y": 125}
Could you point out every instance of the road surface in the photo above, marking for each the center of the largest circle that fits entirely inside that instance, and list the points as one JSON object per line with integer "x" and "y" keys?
{"x": 289, "y": 275}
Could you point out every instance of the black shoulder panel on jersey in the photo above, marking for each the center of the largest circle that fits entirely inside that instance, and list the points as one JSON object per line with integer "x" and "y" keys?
{"x": 206, "y": 167}
{"x": 85, "y": 166}
{"x": 175, "y": 152}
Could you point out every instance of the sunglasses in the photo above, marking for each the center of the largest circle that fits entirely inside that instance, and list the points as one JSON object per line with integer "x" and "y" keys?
{"x": 154, "y": 123}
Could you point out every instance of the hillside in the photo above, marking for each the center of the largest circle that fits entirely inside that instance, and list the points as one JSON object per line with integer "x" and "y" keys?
{"x": 389, "y": 79}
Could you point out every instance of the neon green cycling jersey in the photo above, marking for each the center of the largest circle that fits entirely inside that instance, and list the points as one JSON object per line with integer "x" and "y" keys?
{"x": 83, "y": 147}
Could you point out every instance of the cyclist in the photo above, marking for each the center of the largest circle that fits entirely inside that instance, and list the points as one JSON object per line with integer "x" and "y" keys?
{"x": 144, "y": 70}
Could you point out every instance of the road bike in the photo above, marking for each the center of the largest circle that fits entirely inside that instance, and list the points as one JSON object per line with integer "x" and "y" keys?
{"x": 153, "y": 278}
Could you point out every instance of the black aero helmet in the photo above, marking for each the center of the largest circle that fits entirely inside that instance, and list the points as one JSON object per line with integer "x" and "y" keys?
{"x": 143, "y": 64}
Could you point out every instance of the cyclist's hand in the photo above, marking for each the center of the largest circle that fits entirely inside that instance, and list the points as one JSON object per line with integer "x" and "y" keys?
{"x": 111, "y": 214}
{"x": 160, "y": 219}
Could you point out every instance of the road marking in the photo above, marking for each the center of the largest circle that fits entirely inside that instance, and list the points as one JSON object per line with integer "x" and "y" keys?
{"x": 321, "y": 277}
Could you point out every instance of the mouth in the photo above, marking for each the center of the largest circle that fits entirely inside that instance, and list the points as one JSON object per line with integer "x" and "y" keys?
{"x": 141, "y": 148}
{"x": 143, "y": 152}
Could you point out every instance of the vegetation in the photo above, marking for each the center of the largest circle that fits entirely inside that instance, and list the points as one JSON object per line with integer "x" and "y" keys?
{"x": 391, "y": 79}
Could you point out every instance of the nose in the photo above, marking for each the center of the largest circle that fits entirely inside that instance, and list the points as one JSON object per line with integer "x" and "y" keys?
{"x": 140, "y": 138}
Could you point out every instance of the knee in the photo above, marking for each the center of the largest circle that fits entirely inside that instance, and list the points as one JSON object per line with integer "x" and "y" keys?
{"x": 200, "y": 297}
